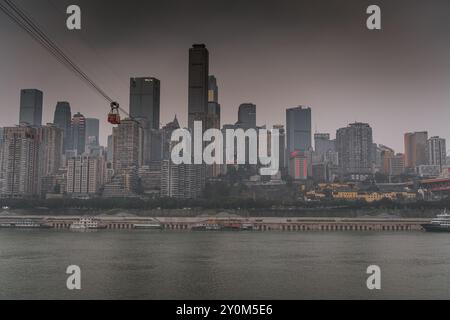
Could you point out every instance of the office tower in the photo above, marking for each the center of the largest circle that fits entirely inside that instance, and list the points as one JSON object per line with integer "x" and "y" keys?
{"x": 92, "y": 132}
{"x": 85, "y": 175}
{"x": 437, "y": 152}
{"x": 145, "y": 101}
{"x": 31, "y": 107}
{"x": 247, "y": 116}
{"x": 415, "y": 149}
{"x": 63, "y": 120}
{"x": 213, "y": 117}
{"x": 213, "y": 90}
{"x": 20, "y": 162}
{"x": 323, "y": 144}
{"x": 198, "y": 85}
{"x": 128, "y": 145}
{"x": 354, "y": 145}
{"x": 213, "y": 120}
{"x": 78, "y": 133}
{"x": 298, "y": 129}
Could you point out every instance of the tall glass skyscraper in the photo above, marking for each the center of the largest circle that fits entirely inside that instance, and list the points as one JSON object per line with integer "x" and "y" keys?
{"x": 31, "y": 107}
{"x": 63, "y": 120}
{"x": 198, "y": 85}
{"x": 92, "y": 131}
{"x": 298, "y": 127}
{"x": 79, "y": 133}
{"x": 145, "y": 101}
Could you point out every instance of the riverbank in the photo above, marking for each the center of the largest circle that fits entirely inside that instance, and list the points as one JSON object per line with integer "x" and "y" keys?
{"x": 336, "y": 212}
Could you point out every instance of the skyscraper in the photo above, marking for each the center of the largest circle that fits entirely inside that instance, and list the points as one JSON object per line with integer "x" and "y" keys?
{"x": 437, "y": 152}
{"x": 247, "y": 116}
{"x": 298, "y": 126}
{"x": 213, "y": 90}
{"x": 145, "y": 101}
{"x": 415, "y": 149}
{"x": 92, "y": 132}
{"x": 127, "y": 146}
{"x": 50, "y": 153}
{"x": 78, "y": 133}
{"x": 354, "y": 145}
{"x": 85, "y": 175}
{"x": 213, "y": 117}
{"x": 31, "y": 107}
{"x": 20, "y": 162}
{"x": 323, "y": 144}
{"x": 63, "y": 120}
{"x": 198, "y": 85}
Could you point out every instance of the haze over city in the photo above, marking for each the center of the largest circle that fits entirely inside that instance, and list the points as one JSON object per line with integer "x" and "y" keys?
{"x": 314, "y": 53}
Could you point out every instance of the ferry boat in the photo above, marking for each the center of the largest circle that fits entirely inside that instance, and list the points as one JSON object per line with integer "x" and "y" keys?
{"x": 25, "y": 224}
{"x": 86, "y": 224}
{"x": 206, "y": 227}
{"x": 439, "y": 224}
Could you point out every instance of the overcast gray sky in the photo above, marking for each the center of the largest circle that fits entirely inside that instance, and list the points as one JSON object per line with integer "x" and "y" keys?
{"x": 276, "y": 54}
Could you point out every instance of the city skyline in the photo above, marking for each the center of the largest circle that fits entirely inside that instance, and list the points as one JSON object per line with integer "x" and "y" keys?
{"x": 386, "y": 77}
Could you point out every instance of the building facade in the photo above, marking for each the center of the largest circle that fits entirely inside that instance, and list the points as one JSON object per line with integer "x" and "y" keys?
{"x": 20, "y": 152}
{"x": 63, "y": 120}
{"x": 31, "y": 107}
{"x": 198, "y": 85}
{"x": 354, "y": 145}
{"x": 415, "y": 149}
{"x": 298, "y": 129}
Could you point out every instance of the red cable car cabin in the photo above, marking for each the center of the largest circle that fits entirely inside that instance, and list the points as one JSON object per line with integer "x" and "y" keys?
{"x": 114, "y": 116}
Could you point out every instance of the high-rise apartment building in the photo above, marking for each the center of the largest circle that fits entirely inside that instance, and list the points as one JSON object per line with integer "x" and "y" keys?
{"x": 128, "y": 140}
{"x": 20, "y": 153}
{"x": 85, "y": 175}
{"x": 415, "y": 149}
{"x": 354, "y": 145}
{"x": 183, "y": 181}
{"x": 323, "y": 144}
{"x": 437, "y": 152}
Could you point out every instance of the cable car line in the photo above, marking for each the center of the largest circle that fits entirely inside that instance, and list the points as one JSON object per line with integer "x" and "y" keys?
{"x": 27, "y": 24}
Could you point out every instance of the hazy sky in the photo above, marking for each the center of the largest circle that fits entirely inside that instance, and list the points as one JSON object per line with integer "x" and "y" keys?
{"x": 276, "y": 54}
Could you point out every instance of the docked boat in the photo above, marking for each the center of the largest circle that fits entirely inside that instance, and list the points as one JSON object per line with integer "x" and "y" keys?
{"x": 23, "y": 224}
{"x": 439, "y": 224}
{"x": 148, "y": 226}
{"x": 86, "y": 224}
{"x": 206, "y": 227}
{"x": 223, "y": 226}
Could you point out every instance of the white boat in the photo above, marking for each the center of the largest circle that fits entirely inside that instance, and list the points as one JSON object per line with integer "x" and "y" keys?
{"x": 439, "y": 224}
